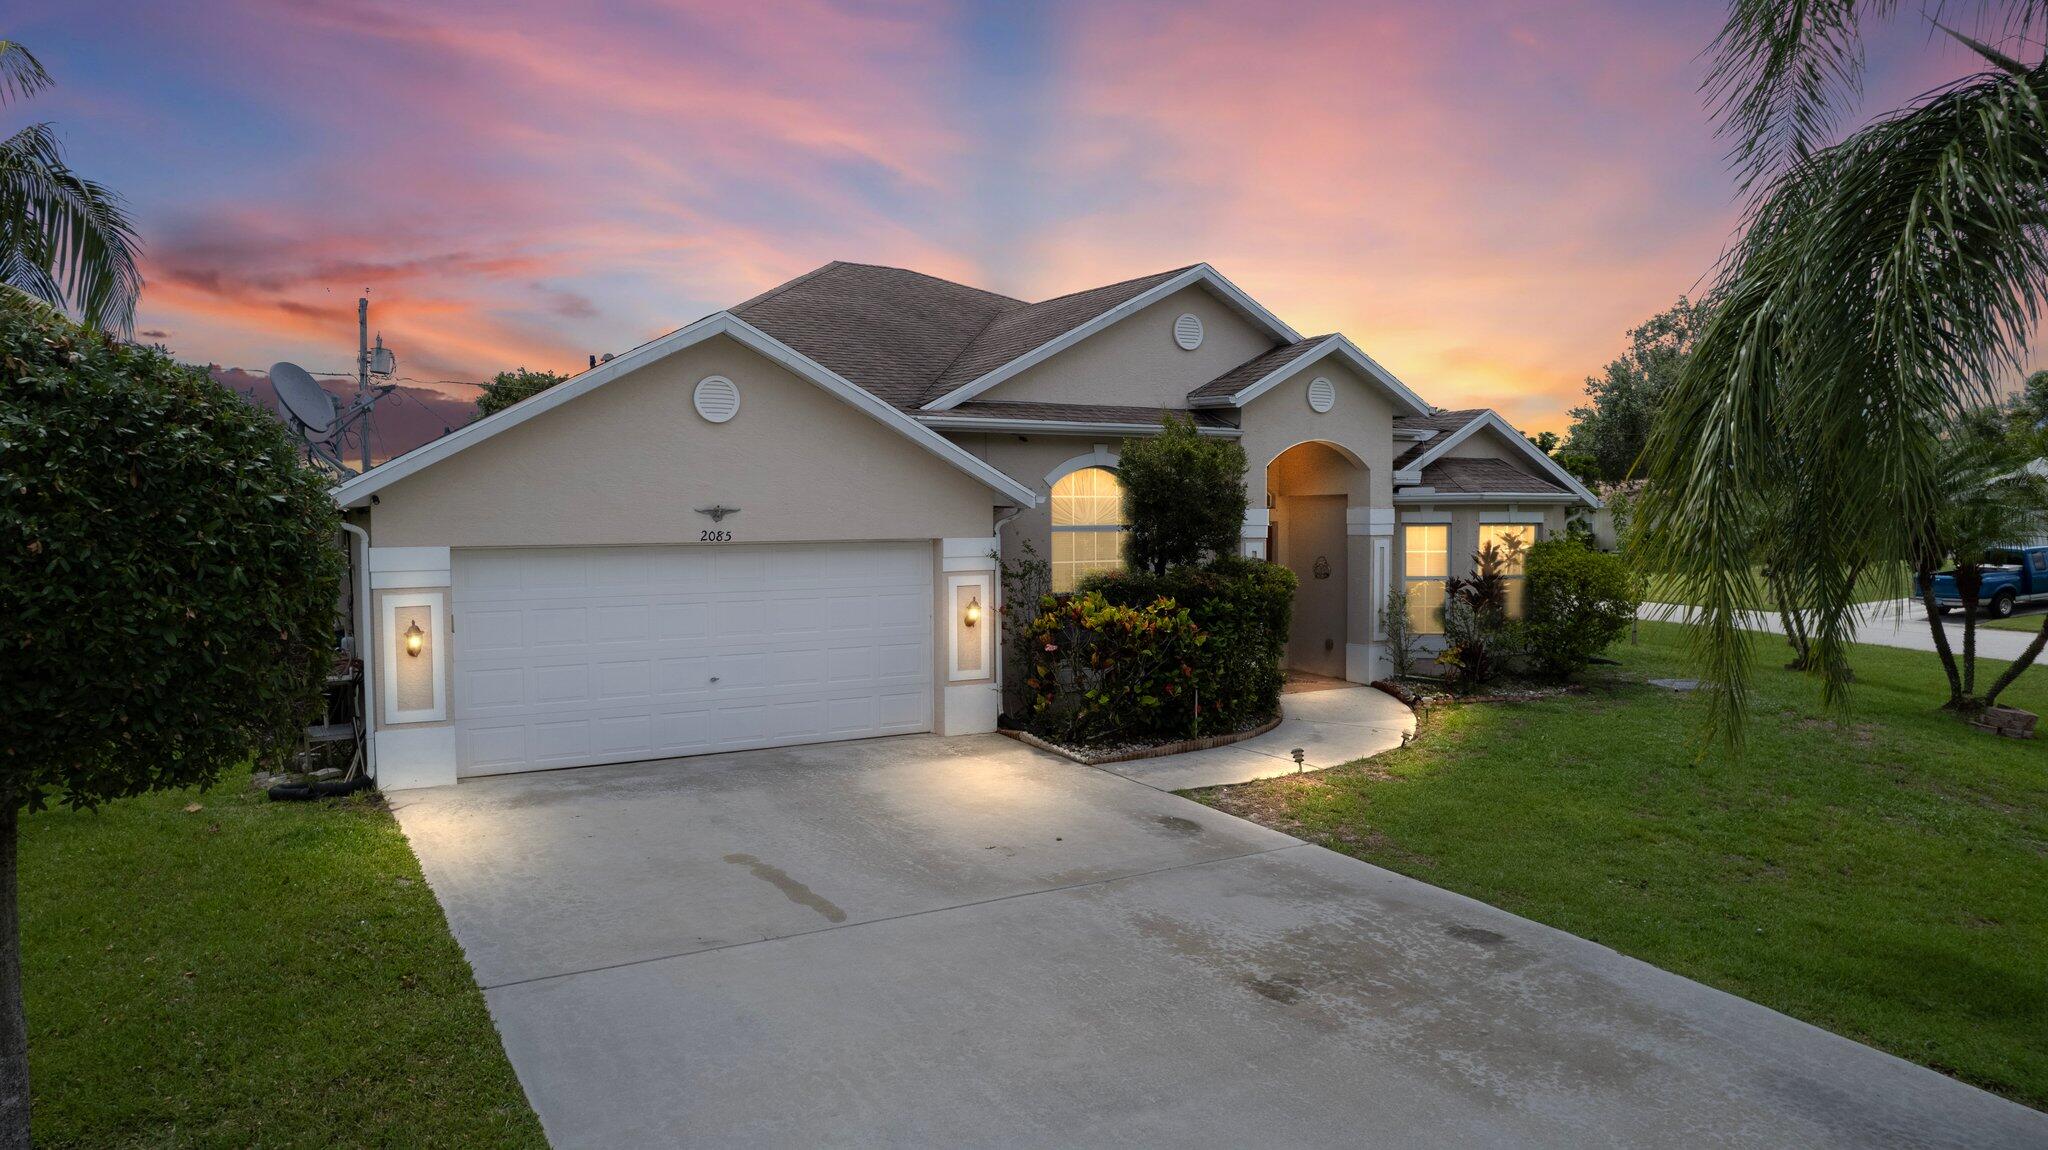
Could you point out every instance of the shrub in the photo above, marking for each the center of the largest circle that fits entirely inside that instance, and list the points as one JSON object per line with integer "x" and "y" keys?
{"x": 1104, "y": 673}
{"x": 1403, "y": 648}
{"x": 1480, "y": 640}
{"x": 1244, "y": 608}
{"x": 1580, "y": 600}
{"x": 1184, "y": 497}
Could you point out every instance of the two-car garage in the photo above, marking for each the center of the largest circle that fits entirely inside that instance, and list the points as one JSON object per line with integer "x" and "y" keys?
{"x": 579, "y": 655}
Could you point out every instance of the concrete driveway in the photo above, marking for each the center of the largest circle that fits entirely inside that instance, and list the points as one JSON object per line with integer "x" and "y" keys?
{"x": 964, "y": 942}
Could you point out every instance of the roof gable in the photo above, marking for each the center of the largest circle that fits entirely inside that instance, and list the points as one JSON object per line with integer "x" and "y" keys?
{"x": 1408, "y": 468}
{"x": 360, "y": 488}
{"x": 1068, "y": 320}
{"x": 1250, "y": 380}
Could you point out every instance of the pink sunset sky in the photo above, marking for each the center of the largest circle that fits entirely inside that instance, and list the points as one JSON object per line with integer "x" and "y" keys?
{"x": 1485, "y": 196}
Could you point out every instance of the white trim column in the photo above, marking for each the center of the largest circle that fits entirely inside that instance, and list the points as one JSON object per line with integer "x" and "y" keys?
{"x": 971, "y": 693}
{"x": 415, "y": 745}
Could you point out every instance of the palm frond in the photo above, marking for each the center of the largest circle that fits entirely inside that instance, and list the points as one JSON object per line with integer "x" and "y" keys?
{"x": 1883, "y": 286}
{"x": 64, "y": 238}
{"x": 21, "y": 74}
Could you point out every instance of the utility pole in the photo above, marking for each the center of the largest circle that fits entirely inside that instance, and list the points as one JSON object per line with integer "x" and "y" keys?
{"x": 363, "y": 370}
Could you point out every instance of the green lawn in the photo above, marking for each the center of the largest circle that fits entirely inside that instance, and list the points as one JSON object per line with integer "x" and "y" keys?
{"x": 1871, "y": 587}
{"x": 250, "y": 973}
{"x": 2025, "y": 619}
{"x": 1881, "y": 876}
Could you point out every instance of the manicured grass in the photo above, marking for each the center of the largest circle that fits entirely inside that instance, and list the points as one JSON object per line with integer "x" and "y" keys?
{"x": 1871, "y": 587}
{"x": 2024, "y": 619}
{"x": 1878, "y": 873}
{"x": 250, "y": 973}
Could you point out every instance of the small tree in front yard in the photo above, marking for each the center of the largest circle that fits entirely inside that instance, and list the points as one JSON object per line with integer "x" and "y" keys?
{"x": 168, "y": 579}
{"x": 1184, "y": 497}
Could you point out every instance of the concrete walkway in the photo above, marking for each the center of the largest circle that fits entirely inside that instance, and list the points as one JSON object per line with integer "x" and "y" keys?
{"x": 1332, "y": 726}
{"x": 1898, "y": 623}
{"x": 965, "y": 942}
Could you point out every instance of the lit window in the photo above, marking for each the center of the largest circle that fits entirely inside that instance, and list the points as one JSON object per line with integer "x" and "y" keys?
{"x": 1425, "y": 565}
{"x": 1513, "y": 540}
{"x": 1087, "y": 526}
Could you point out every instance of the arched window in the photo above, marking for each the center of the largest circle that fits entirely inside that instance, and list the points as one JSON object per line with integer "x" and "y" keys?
{"x": 1087, "y": 525}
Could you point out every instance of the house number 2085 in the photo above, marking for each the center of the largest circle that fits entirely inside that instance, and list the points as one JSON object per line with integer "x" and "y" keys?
{"x": 714, "y": 537}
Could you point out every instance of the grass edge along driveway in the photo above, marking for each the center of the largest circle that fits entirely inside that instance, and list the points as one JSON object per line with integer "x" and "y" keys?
{"x": 250, "y": 973}
{"x": 1877, "y": 873}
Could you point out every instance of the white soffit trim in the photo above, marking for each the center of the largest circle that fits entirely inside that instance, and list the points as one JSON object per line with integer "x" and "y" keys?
{"x": 1203, "y": 274}
{"x": 1354, "y": 358}
{"x": 358, "y": 490}
{"x": 1429, "y": 495}
{"x": 1058, "y": 426}
{"x": 1491, "y": 419}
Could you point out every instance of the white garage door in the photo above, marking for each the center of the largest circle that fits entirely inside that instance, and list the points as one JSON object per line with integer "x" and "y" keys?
{"x": 570, "y": 656}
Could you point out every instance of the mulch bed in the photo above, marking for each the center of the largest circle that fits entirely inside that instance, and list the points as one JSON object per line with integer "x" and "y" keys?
{"x": 1421, "y": 695}
{"x": 1125, "y": 752}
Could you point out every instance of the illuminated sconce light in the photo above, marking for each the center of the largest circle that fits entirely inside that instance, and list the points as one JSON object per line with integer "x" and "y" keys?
{"x": 973, "y": 611}
{"x": 414, "y": 639}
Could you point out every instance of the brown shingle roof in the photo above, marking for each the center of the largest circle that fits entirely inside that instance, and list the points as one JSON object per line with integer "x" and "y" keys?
{"x": 1441, "y": 422}
{"x": 1020, "y": 329}
{"x": 886, "y": 329}
{"x": 1475, "y": 476}
{"x": 1253, "y": 370}
{"x": 909, "y": 338}
{"x": 1080, "y": 413}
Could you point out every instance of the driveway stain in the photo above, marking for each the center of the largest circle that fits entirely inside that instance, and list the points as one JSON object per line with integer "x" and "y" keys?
{"x": 791, "y": 889}
{"x": 1180, "y": 825}
{"x": 1284, "y": 989}
{"x": 1477, "y": 934}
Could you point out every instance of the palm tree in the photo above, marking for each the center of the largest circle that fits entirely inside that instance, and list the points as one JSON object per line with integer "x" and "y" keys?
{"x": 1984, "y": 499}
{"x": 63, "y": 238}
{"x": 1882, "y": 286}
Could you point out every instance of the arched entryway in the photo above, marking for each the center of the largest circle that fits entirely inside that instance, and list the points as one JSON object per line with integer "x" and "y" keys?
{"x": 1309, "y": 488}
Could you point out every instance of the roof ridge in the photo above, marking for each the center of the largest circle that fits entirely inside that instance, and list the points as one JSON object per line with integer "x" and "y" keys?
{"x": 1118, "y": 283}
{"x": 785, "y": 285}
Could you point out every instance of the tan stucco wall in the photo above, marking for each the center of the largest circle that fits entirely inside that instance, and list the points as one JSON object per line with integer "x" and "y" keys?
{"x": 630, "y": 462}
{"x": 1028, "y": 460}
{"x": 1361, "y": 421}
{"x": 1137, "y": 362}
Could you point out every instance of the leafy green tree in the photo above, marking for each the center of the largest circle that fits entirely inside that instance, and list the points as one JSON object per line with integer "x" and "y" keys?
{"x": 1881, "y": 285}
{"x": 168, "y": 577}
{"x": 1184, "y": 496}
{"x": 509, "y": 387}
{"x": 1545, "y": 441}
{"x": 63, "y": 239}
{"x": 1612, "y": 428}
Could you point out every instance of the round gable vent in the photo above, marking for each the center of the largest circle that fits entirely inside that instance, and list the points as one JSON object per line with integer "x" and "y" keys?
{"x": 1187, "y": 331}
{"x": 1322, "y": 394}
{"x": 717, "y": 398}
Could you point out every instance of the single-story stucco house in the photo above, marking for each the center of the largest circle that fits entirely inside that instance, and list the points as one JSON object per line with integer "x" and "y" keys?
{"x": 776, "y": 525}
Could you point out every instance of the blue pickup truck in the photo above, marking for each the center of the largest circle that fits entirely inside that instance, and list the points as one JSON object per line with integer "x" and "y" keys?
{"x": 2012, "y": 576}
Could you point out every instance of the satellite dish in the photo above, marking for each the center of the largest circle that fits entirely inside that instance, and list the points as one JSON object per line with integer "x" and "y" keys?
{"x": 305, "y": 399}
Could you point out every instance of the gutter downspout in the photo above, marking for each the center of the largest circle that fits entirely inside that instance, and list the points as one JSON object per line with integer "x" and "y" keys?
{"x": 364, "y": 644}
{"x": 1002, "y": 521}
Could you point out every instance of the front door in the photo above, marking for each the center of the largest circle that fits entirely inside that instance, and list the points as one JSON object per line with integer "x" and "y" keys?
{"x": 1312, "y": 540}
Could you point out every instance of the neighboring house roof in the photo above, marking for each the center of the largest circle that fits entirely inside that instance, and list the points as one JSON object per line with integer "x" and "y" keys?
{"x": 1440, "y": 423}
{"x": 997, "y": 416}
{"x": 1485, "y": 476}
{"x": 358, "y": 489}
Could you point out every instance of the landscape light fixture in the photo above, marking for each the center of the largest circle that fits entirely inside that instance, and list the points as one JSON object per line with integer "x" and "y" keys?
{"x": 414, "y": 639}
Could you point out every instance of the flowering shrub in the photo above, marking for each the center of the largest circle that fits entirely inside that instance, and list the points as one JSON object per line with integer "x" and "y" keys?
{"x": 1106, "y": 673}
{"x": 1243, "y": 607}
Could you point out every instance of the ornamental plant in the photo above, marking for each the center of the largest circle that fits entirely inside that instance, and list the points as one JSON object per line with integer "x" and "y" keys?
{"x": 1579, "y": 602}
{"x": 1480, "y": 640}
{"x": 1244, "y": 608}
{"x": 1184, "y": 497}
{"x": 169, "y": 568}
{"x": 1102, "y": 673}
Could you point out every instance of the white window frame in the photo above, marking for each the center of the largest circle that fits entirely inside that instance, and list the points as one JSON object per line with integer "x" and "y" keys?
{"x": 436, "y": 603}
{"x": 1103, "y": 460}
{"x": 1409, "y": 579}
